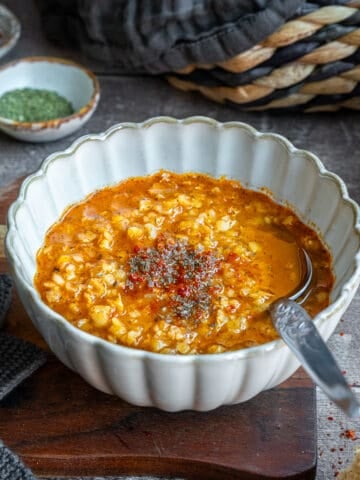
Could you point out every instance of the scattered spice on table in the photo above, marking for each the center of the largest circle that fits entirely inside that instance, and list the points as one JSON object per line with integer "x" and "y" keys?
{"x": 346, "y": 435}
{"x": 34, "y": 105}
{"x": 353, "y": 471}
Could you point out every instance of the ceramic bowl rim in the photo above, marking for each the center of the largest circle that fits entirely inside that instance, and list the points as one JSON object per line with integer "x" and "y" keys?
{"x": 55, "y": 122}
{"x": 14, "y": 33}
{"x": 245, "y": 353}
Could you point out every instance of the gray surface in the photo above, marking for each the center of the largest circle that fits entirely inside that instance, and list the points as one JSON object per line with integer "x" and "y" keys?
{"x": 334, "y": 137}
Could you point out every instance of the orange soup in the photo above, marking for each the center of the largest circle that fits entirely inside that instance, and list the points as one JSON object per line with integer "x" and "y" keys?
{"x": 178, "y": 263}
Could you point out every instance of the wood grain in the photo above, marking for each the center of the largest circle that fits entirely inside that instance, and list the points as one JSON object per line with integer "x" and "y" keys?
{"x": 335, "y": 138}
{"x": 59, "y": 425}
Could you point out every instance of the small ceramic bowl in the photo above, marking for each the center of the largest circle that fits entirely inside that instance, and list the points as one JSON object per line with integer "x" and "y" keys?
{"x": 9, "y": 30}
{"x": 70, "y": 80}
{"x": 167, "y": 381}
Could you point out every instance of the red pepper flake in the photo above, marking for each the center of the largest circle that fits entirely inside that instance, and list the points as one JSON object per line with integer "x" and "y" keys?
{"x": 341, "y": 334}
{"x": 332, "y": 449}
{"x": 331, "y": 418}
{"x": 351, "y": 434}
{"x": 233, "y": 257}
{"x": 344, "y": 372}
{"x": 184, "y": 290}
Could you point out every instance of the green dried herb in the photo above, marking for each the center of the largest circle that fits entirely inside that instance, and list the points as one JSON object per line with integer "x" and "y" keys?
{"x": 34, "y": 105}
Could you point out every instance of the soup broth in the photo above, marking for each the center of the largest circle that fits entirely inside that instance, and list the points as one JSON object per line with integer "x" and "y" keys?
{"x": 178, "y": 263}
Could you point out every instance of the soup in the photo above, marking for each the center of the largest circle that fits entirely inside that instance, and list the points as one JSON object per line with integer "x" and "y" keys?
{"x": 179, "y": 263}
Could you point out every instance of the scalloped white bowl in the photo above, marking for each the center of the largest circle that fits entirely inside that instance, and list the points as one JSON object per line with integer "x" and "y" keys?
{"x": 174, "y": 382}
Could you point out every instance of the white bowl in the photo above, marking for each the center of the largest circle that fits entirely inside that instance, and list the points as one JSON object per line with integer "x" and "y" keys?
{"x": 68, "y": 79}
{"x": 174, "y": 382}
{"x": 10, "y": 30}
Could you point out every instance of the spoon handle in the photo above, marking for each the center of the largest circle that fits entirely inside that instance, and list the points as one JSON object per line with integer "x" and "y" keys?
{"x": 302, "y": 337}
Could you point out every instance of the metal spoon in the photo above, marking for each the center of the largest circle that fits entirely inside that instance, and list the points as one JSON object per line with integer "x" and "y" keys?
{"x": 298, "y": 331}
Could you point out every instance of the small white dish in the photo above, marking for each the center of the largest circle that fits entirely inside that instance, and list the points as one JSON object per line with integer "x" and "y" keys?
{"x": 178, "y": 382}
{"x": 10, "y": 30}
{"x": 70, "y": 80}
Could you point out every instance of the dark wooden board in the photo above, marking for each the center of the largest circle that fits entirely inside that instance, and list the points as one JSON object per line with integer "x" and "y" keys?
{"x": 59, "y": 425}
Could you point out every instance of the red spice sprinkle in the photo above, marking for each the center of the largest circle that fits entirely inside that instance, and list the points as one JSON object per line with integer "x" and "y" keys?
{"x": 332, "y": 449}
{"x": 341, "y": 334}
{"x": 344, "y": 372}
{"x": 185, "y": 273}
{"x": 331, "y": 418}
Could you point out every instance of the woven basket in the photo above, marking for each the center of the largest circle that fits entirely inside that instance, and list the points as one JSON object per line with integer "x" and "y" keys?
{"x": 311, "y": 63}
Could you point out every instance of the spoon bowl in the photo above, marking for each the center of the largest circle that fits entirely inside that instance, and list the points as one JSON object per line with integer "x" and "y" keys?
{"x": 304, "y": 288}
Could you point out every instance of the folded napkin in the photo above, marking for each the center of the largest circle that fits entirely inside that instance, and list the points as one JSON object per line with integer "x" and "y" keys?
{"x": 11, "y": 468}
{"x": 143, "y": 36}
{"x": 18, "y": 360}
{"x": 5, "y": 296}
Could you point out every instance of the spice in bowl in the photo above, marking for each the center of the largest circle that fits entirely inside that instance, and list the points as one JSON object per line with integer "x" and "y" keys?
{"x": 34, "y": 105}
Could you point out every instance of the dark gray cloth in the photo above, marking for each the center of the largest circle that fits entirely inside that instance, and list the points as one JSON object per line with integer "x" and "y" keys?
{"x": 146, "y": 36}
{"x": 11, "y": 467}
{"x": 5, "y": 296}
{"x": 18, "y": 360}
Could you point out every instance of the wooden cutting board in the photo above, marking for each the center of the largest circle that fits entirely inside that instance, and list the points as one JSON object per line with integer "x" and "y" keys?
{"x": 59, "y": 425}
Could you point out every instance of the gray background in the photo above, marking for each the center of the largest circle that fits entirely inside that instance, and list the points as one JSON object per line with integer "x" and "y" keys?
{"x": 334, "y": 137}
